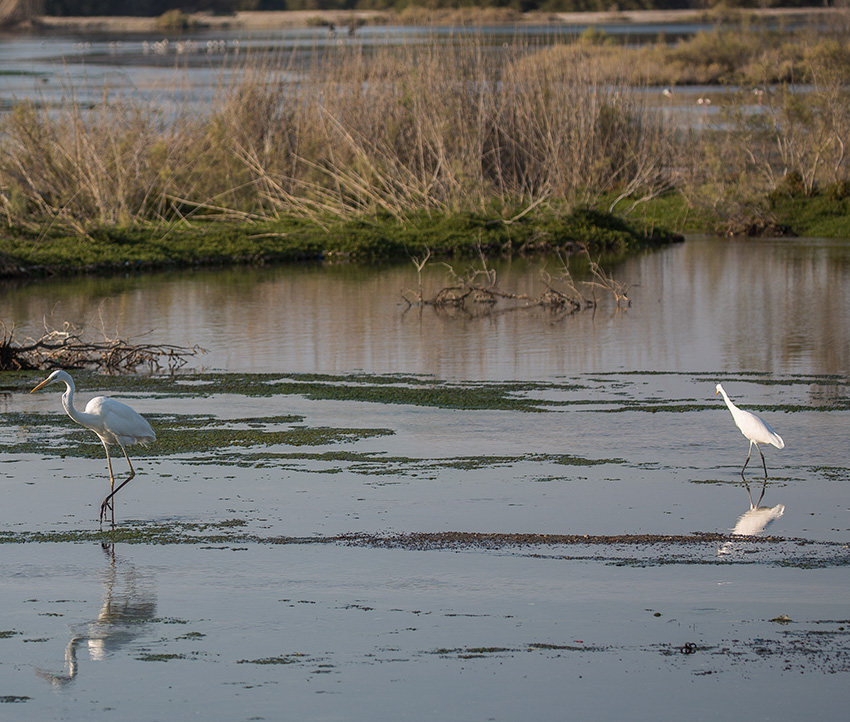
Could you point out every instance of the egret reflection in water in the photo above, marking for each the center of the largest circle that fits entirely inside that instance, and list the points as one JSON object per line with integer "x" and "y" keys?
{"x": 128, "y": 603}
{"x": 753, "y": 521}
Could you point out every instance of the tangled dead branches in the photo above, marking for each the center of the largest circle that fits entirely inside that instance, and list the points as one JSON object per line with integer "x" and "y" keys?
{"x": 67, "y": 349}
{"x": 479, "y": 286}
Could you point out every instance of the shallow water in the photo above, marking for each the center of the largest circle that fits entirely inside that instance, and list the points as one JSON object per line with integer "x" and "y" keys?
{"x": 761, "y": 306}
{"x": 230, "y": 594}
{"x": 175, "y": 632}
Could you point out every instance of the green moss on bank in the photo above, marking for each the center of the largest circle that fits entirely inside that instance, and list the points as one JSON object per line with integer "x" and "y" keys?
{"x": 822, "y": 214}
{"x": 825, "y": 214}
{"x": 214, "y": 243}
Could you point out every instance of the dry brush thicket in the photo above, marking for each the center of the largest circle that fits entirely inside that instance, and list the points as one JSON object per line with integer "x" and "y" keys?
{"x": 440, "y": 127}
{"x": 394, "y": 131}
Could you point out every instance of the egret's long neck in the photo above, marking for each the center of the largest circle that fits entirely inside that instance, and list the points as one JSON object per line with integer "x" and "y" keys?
{"x": 68, "y": 404}
{"x": 728, "y": 401}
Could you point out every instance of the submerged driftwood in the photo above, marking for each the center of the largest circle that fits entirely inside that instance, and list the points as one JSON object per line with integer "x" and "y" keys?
{"x": 479, "y": 286}
{"x": 68, "y": 349}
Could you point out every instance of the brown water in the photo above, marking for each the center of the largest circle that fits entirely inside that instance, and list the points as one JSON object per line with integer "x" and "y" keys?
{"x": 774, "y": 306}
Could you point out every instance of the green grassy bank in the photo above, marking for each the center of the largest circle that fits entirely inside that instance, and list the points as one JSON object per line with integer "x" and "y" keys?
{"x": 378, "y": 239}
{"x": 824, "y": 213}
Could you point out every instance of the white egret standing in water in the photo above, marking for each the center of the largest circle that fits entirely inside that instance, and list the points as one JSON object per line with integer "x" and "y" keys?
{"x": 756, "y": 430}
{"x": 112, "y": 421}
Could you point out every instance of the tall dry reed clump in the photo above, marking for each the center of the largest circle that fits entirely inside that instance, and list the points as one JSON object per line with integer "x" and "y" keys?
{"x": 774, "y": 138}
{"x": 78, "y": 168}
{"x": 398, "y": 130}
{"x": 446, "y": 126}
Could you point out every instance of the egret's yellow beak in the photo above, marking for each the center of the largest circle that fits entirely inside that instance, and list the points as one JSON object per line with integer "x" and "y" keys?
{"x": 43, "y": 383}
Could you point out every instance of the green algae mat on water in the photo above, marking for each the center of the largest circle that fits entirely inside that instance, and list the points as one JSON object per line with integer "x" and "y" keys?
{"x": 425, "y": 391}
{"x": 611, "y": 452}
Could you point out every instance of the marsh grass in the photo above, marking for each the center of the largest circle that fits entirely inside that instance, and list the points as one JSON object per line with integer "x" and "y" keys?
{"x": 449, "y": 127}
{"x": 396, "y": 130}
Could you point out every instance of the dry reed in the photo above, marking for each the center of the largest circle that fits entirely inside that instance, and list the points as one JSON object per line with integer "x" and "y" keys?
{"x": 440, "y": 127}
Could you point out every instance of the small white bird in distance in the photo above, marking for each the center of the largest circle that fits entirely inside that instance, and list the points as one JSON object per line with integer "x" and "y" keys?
{"x": 112, "y": 421}
{"x": 756, "y": 430}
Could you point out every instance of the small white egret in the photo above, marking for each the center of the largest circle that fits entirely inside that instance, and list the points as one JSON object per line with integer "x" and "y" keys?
{"x": 756, "y": 430}
{"x": 112, "y": 421}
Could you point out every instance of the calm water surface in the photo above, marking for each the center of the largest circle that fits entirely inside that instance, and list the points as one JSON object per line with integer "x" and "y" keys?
{"x": 767, "y": 306}
{"x": 633, "y": 441}
{"x": 183, "y": 73}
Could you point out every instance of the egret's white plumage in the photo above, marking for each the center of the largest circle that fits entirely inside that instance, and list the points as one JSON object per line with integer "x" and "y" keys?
{"x": 112, "y": 421}
{"x": 755, "y": 430}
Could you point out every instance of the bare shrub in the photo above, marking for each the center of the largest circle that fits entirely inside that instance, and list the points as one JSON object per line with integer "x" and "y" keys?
{"x": 478, "y": 285}
{"x": 788, "y": 138}
{"x": 68, "y": 348}
{"x": 79, "y": 167}
{"x": 571, "y": 127}
{"x": 431, "y": 127}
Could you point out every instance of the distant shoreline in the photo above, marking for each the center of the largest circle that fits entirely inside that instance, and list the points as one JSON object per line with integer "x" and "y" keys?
{"x": 304, "y": 18}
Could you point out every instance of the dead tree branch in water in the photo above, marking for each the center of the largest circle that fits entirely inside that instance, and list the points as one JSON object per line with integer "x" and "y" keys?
{"x": 420, "y": 264}
{"x": 606, "y": 282}
{"x": 479, "y": 286}
{"x": 67, "y": 349}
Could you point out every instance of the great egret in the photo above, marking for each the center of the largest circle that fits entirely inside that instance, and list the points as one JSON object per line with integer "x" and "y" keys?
{"x": 756, "y": 430}
{"x": 112, "y": 421}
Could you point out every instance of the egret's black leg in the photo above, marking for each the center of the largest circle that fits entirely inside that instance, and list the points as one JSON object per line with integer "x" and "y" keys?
{"x": 108, "y": 502}
{"x": 764, "y": 465}
{"x": 103, "y": 508}
{"x": 105, "y": 505}
{"x": 749, "y": 451}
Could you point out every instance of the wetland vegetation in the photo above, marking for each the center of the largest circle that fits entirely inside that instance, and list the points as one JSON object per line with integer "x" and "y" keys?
{"x": 383, "y": 152}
